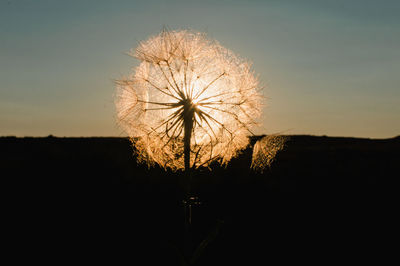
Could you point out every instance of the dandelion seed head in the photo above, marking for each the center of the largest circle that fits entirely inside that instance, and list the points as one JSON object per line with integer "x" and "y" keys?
{"x": 265, "y": 151}
{"x": 183, "y": 72}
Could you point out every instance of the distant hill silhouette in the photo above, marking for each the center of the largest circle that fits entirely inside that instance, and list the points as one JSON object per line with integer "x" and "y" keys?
{"x": 319, "y": 188}
{"x": 308, "y": 163}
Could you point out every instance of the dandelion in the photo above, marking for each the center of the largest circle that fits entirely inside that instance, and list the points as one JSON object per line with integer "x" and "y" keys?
{"x": 189, "y": 103}
{"x": 265, "y": 150}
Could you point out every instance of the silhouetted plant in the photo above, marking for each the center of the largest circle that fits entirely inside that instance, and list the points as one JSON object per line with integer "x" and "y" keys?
{"x": 189, "y": 103}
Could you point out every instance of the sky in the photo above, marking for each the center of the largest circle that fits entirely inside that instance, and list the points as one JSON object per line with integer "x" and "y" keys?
{"x": 326, "y": 67}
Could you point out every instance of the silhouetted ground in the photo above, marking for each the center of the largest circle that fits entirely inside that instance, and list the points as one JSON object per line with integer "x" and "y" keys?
{"x": 323, "y": 197}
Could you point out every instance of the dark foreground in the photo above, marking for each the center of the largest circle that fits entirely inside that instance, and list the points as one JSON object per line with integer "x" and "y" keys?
{"x": 78, "y": 199}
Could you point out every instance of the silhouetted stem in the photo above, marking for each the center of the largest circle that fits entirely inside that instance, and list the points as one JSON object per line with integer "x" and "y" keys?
{"x": 188, "y": 117}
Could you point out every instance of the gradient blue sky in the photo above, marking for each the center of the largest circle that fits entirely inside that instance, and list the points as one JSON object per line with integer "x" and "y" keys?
{"x": 328, "y": 67}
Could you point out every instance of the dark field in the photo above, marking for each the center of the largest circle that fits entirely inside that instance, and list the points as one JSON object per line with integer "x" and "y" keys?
{"x": 324, "y": 199}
